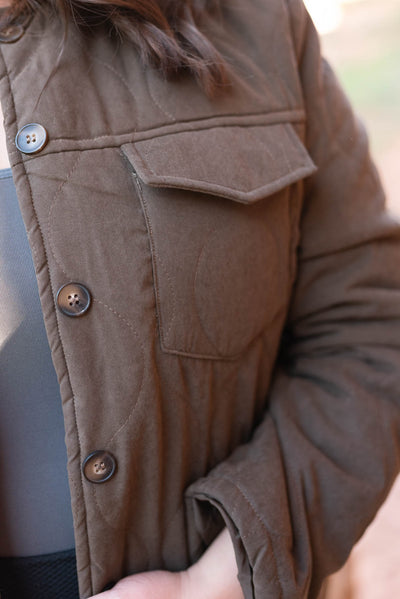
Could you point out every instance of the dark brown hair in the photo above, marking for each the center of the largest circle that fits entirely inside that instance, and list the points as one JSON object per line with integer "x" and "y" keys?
{"x": 166, "y": 32}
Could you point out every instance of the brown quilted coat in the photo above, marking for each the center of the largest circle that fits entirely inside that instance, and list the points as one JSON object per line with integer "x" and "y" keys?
{"x": 241, "y": 355}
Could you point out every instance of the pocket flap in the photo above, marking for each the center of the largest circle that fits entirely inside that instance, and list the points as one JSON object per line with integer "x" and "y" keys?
{"x": 244, "y": 164}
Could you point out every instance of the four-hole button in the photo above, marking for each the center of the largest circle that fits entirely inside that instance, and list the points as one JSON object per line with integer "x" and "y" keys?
{"x": 99, "y": 466}
{"x": 11, "y": 34}
{"x": 73, "y": 299}
{"x": 31, "y": 138}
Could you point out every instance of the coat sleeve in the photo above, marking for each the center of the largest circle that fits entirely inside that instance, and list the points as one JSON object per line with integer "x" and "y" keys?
{"x": 300, "y": 494}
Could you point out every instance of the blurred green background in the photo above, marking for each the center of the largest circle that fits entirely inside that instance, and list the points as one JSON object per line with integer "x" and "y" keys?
{"x": 361, "y": 39}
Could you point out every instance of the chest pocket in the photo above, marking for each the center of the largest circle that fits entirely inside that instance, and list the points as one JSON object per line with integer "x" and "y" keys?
{"x": 217, "y": 208}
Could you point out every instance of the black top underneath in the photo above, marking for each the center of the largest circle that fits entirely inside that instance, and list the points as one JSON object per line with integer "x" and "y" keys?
{"x": 51, "y": 576}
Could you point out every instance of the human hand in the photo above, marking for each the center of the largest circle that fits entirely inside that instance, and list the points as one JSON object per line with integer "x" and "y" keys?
{"x": 158, "y": 584}
{"x": 214, "y": 576}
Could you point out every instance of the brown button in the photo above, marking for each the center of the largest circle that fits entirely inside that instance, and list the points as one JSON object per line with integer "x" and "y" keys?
{"x": 11, "y": 33}
{"x": 73, "y": 299}
{"x": 99, "y": 466}
{"x": 31, "y": 138}
{"x": 14, "y": 31}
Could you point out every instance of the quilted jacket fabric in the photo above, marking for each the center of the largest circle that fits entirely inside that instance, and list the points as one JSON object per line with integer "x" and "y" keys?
{"x": 241, "y": 356}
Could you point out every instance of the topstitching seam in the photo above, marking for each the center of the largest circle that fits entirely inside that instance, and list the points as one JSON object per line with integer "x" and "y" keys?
{"x": 156, "y": 102}
{"x": 191, "y": 123}
{"x": 58, "y": 331}
{"x": 260, "y": 519}
{"x": 129, "y": 325}
{"x": 55, "y": 200}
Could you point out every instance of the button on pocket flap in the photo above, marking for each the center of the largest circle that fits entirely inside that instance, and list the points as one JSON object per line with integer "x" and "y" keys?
{"x": 244, "y": 164}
